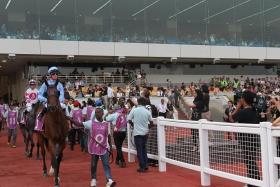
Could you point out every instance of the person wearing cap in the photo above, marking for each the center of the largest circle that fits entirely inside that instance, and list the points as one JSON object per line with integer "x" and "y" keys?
{"x": 31, "y": 95}
{"x": 76, "y": 114}
{"x": 53, "y": 80}
{"x": 99, "y": 145}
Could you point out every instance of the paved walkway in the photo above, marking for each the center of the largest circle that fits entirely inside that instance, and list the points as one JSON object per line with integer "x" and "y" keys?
{"x": 17, "y": 170}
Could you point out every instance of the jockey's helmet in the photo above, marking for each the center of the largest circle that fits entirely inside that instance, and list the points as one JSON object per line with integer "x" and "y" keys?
{"x": 53, "y": 70}
{"x": 32, "y": 82}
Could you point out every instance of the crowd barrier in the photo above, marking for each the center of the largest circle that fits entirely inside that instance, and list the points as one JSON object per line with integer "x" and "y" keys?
{"x": 247, "y": 153}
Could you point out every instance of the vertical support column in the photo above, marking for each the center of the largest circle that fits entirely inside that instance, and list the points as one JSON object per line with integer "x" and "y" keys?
{"x": 161, "y": 145}
{"x": 264, "y": 153}
{"x": 272, "y": 153}
{"x": 131, "y": 156}
{"x": 204, "y": 153}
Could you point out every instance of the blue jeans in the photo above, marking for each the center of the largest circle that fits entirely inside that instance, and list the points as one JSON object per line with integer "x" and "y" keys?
{"x": 140, "y": 144}
{"x": 105, "y": 163}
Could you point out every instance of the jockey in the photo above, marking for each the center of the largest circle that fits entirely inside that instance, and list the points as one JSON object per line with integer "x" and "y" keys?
{"x": 53, "y": 72}
{"x": 31, "y": 95}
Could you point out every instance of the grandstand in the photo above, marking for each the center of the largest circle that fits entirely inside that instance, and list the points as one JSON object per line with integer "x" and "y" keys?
{"x": 173, "y": 37}
{"x": 161, "y": 45}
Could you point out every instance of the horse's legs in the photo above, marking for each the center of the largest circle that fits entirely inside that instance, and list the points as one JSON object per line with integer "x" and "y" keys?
{"x": 56, "y": 163}
{"x": 27, "y": 143}
{"x": 38, "y": 149}
{"x": 43, "y": 153}
{"x": 23, "y": 132}
{"x": 30, "y": 132}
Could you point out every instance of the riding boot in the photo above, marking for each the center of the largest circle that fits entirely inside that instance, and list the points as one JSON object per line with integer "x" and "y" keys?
{"x": 41, "y": 115}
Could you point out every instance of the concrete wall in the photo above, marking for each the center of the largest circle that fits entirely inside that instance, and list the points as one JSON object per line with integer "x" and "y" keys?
{"x": 51, "y": 47}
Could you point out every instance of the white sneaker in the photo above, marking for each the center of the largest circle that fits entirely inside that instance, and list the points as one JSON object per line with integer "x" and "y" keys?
{"x": 93, "y": 183}
{"x": 110, "y": 183}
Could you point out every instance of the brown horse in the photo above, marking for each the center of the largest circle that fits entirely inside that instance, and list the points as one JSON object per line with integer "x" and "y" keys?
{"x": 28, "y": 130}
{"x": 55, "y": 133}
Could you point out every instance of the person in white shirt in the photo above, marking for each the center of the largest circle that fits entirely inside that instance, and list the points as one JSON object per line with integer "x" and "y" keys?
{"x": 31, "y": 95}
{"x": 110, "y": 95}
{"x": 162, "y": 108}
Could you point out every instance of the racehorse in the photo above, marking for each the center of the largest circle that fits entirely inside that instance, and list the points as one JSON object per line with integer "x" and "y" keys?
{"x": 28, "y": 129}
{"x": 55, "y": 132}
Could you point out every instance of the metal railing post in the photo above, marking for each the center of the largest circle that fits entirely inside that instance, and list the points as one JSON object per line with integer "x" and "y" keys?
{"x": 204, "y": 154}
{"x": 131, "y": 157}
{"x": 161, "y": 145}
{"x": 272, "y": 153}
{"x": 264, "y": 153}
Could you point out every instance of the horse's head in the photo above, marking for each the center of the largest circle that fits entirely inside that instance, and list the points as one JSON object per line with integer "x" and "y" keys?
{"x": 52, "y": 96}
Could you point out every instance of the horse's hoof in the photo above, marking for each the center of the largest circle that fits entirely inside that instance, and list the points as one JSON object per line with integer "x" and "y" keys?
{"x": 56, "y": 185}
{"x": 38, "y": 158}
{"x": 29, "y": 155}
{"x": 26, "y": 153}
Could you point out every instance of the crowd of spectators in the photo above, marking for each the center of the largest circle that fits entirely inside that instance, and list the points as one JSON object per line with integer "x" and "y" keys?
{"x": 69, "y": 33}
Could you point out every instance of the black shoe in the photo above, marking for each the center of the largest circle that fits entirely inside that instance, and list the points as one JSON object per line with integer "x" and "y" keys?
{"x": 117, "y": 162}
{"x": 140, "y": 170}
{"x": 122, "y": 164}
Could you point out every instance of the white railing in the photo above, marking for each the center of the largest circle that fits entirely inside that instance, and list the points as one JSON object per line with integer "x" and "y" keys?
{"x": 205, "y": 147}
{"x": 273, "y": 134}
{"x": 89, "y": 79}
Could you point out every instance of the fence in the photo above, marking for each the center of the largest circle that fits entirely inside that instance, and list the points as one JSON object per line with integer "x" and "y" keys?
{"x": 89, "y": 79}
{"x": 247, "y": 153}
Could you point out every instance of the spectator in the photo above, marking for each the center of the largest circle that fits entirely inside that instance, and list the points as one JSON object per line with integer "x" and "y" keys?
{"x": 170, "y": 110}
{"x": 245, "y": 113}
{"x": 162, "y": 108}
{"x": 140, "y": 118}
{"x": 197, "y": 108}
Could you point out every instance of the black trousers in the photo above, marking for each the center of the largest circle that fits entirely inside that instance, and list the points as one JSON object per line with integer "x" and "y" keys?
{"x": 141, "y": 148}
{"x": 72, "y": 136}
{"x": 119, "y": 138}
{"x": 162, "y": 114}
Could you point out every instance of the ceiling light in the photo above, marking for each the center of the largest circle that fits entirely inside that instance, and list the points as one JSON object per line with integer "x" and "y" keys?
{"x": 4, "y": 61}
{"x": 53, "y": 8}
{"x": 100, "y": 8}
{"x": 185, "y": 10}
{"x": 226, "y": 10}
{"x": 152, "y": 4}
{"x": 8, "y": 4}
{"x": 258, "y": 13}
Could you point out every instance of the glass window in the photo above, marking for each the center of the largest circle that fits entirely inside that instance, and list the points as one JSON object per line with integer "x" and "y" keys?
{"x": 161, "y": 29}
{"x": 249, "y": 19}
{"x": 221, "y": 26}
{"x": 272, "y": 23}
{"x": 58, "y": 20}
{"x": 94, "y": 20}
{"x": 128, "y": 20}
{"x": 19, "y": 19}
{"x": 191, "y": 21}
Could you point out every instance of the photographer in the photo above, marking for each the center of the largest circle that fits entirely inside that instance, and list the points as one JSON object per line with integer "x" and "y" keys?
{"x": 249, "y": 143}
{"x": 261, "y": 107}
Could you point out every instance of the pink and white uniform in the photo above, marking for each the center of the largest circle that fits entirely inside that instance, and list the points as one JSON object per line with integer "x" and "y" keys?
{"x": 98, "y": 140}
{"x": 77, "y": 114}
{"x": 12, "y": 119}
{"x": 31, "y": 97}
